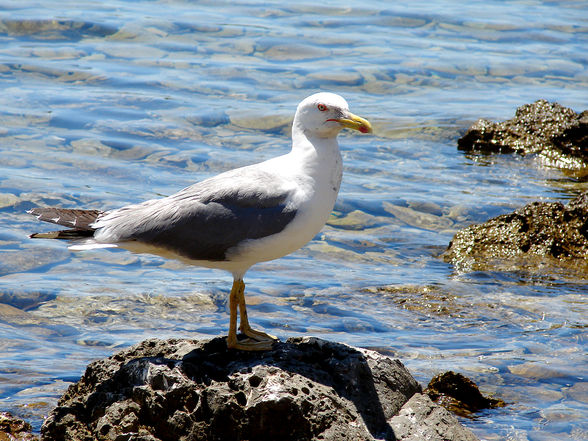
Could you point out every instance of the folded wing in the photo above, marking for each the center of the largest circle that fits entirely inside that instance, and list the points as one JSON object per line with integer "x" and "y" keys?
{"x": 206, "y": 220}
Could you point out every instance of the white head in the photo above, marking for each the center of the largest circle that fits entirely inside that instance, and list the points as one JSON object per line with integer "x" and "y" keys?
{"x": 324, "y": 114}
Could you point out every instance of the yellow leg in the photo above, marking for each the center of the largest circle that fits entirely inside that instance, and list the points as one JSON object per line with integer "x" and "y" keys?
{"x": 257, "y": 341}
{"x": 232, "y": 338}
{"x": 245, "y": 328}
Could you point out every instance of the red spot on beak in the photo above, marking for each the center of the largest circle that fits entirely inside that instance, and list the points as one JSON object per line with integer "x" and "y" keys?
{"x": 363, "y": 129}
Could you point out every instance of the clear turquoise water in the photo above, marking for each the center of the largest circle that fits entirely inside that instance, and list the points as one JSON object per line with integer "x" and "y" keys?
{"x": 108, "y": 103}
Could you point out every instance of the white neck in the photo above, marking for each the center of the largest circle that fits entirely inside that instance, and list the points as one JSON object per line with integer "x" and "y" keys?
{"x": 317, "y": 149}
{"x": 319, "y": 159}
{"x": 314, "y": 169}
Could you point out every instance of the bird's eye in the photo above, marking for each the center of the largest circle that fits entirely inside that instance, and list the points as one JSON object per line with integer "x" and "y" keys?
{"x": 322, "y": 107}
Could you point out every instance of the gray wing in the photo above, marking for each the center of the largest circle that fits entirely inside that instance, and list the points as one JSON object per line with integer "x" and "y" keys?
{"x": 205, "y": 220}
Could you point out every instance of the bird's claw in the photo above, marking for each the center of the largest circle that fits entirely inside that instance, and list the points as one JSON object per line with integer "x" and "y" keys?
{"x": 250, "y": 344}
{"x": 257, "y": 335}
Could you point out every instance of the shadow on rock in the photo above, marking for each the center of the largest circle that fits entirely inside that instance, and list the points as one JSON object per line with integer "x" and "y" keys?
{"x": 303, "y": 389}
{"x": 309, "y": 386}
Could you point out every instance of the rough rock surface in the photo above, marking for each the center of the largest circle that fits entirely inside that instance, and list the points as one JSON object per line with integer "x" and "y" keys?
{"x": 303, "y": 389}
{"x": 15, "y": 429}
{"x": 557, "y": 133}
{"x": 419, "y": 418}
{"x": 541, "y": 229}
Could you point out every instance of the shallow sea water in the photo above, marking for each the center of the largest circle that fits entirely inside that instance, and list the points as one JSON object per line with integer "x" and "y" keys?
{"x": 112, "y": 102}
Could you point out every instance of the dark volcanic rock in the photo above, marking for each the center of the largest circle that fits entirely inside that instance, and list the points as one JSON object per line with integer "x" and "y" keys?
{"x": 557, "y": 133}
{"x": 540, "y": 229}
{"x": 15, "y": 429}
{"x": 304, "y": 389}
{"x": 459, "y": 394}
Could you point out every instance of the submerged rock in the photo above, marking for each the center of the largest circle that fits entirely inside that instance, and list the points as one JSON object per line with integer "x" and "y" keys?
{"x": 304, "y": 389}
{"x": 540, "y": 229}
{"x": 459, "y": 394}
{"x": 555, "y": 132}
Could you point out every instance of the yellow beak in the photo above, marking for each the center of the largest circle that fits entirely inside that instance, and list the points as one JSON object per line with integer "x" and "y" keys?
{"x": 355, "y": 122}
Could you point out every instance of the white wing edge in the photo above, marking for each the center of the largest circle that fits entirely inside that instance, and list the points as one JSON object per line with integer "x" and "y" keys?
{"x": 92, "y": 246}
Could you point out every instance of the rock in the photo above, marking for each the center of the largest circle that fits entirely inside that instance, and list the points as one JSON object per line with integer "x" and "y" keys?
{"x": 429, "y": 300}
{"x": 557, "y": 133}
{"x": 544, "y": 229}
{"x": 14, "y": 429}
{"x": 303, "y": 389}
{"x": 421, "y": 419}
{"x": 459, "y": 394}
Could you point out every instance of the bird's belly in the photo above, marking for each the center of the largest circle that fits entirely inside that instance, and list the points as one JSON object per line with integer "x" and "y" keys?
{"x": 235, "y": 267}
{"x": 314, "y": 204}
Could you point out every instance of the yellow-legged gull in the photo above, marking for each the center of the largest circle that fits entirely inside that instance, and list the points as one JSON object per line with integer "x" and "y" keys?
{"x": 236, "y": 219}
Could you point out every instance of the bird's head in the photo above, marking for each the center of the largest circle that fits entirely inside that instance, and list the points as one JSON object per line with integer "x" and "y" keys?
{"x": 325, "y": 114}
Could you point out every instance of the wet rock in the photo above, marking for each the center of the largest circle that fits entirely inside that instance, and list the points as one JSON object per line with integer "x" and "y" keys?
{"x": 431, "y": 418}
{"x": 545, "y": 229}
{"x": 557, "y": 133}
{"x": 432, "y": 300}
{"x": 459, "y": 394}
{"x": 14, "y": 429}
{"x": 304, "y": 389}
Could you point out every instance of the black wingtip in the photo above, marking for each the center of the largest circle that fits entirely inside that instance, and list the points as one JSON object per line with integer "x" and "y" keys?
{"x": 63, "y": 234}
{"x": 49, "y": 235}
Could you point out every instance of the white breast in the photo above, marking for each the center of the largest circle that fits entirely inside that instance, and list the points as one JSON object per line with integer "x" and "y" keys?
{"x": 316, "y": 178}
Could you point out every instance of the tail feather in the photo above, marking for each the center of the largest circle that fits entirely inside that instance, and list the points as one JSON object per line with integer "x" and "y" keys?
{"x": 73, "y": 218}
{"x": 79, "y": 222}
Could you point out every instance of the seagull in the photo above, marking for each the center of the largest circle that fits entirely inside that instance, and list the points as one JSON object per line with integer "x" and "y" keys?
{"x": 236, "y": 219}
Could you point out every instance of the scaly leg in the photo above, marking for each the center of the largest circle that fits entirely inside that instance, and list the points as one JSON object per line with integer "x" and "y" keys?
{"x": 261, "y": 341}
{"x": 245, "y": 328}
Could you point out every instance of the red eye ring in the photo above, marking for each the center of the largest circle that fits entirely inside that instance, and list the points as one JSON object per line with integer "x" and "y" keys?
{"x": 322, "y": 107}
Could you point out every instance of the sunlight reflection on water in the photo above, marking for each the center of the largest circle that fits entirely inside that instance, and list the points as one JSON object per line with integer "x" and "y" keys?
{"x": 111, "y": 103}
